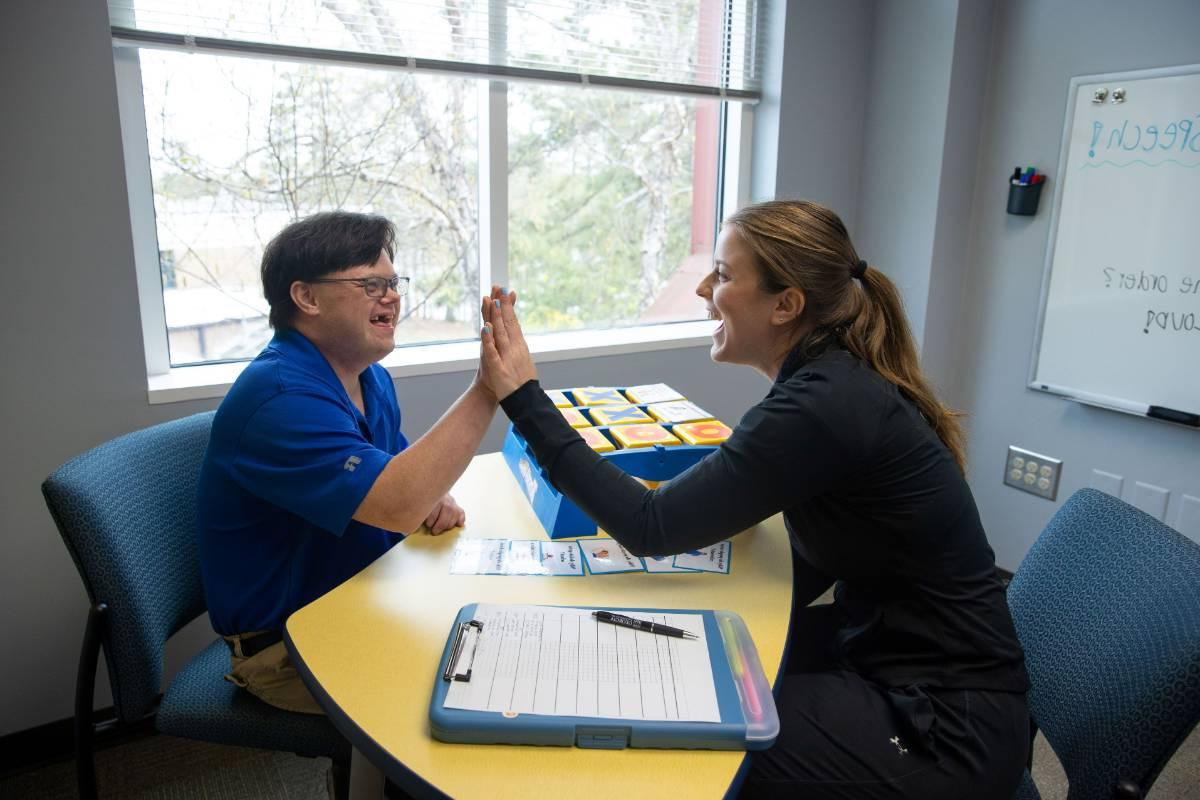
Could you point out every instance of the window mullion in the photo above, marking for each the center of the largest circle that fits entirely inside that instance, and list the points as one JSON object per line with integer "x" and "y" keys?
{"x": 131, "y": 109}
{"x": 493, "y": 160}
{"x": 493, "y": 185}
{"x": 736, "y": 158}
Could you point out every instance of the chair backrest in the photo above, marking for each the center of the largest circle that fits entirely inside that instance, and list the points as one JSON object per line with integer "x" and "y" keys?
{"x": 1107, "y": 607}
{"x": 127, "y": 512}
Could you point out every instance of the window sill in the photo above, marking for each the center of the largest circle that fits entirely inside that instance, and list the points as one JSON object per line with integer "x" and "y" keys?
{"x": 212, "y": 381}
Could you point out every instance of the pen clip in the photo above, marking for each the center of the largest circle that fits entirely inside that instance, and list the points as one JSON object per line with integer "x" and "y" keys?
{"x": 466, "y": 642}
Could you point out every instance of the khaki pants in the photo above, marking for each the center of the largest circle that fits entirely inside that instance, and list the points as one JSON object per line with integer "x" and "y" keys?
{"x": 270, "y": 676}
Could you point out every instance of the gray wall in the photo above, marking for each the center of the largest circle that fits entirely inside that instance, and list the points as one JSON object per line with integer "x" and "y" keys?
{"x": 911, "y": 53}
{"x": 72, "y": 347}
{"x": 815, "y": 106}
{"x": 1038, "y": 46}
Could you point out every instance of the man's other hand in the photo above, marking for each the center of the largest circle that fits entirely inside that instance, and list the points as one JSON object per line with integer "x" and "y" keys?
{"x": 445, "y": 515}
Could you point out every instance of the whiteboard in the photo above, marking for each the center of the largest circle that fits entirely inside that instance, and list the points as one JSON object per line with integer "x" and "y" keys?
{"x": 1119, "y": 324}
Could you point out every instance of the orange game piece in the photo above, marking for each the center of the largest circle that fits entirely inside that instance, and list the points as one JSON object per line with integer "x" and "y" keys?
{"x": 642, "y": 435}
{"x": 710, "y": 432}
{"x": 597, "y": 440}
{"x": 575, "y": 418}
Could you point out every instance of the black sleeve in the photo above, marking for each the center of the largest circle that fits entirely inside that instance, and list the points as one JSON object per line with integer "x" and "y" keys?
{"x": 778, "y": 455}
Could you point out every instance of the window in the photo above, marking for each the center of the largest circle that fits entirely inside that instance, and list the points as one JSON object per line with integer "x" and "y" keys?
{"x": 467, "y": 124}
{"x": 612, "y": 205}
{"x": 239, "y": 147}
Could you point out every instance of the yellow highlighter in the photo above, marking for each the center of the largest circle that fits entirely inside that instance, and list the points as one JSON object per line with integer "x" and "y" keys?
{"x": 740, "y": 673}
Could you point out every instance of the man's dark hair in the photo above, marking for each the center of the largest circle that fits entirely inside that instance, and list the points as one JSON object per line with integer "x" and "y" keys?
{"x": 324, "y": 243}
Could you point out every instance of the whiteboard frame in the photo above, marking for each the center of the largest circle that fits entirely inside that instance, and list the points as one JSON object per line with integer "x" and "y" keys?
{"x": 1111, "y": 403}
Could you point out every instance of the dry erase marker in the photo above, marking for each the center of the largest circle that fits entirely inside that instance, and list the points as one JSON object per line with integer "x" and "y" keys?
{"x": 642, "y": 625}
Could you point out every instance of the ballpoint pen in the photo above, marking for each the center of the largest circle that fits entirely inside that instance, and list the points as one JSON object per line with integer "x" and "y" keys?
{"x": 642, "y": 625}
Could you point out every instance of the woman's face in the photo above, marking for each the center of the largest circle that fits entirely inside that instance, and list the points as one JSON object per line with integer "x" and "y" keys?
{"x": 750, "y": 332}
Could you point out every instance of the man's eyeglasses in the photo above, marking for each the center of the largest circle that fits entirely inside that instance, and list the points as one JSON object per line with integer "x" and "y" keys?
{"x": 374, "y": 287}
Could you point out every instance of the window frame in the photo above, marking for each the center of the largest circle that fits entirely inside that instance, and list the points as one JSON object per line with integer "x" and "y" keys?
{"x": 167, "y": 384}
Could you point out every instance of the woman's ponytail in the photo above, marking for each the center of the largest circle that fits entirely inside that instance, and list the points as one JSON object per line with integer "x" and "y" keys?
{"x": 880, "y": 337}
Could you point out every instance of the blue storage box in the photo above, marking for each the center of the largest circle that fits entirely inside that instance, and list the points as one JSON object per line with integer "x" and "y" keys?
{"x": 561, "y": 518}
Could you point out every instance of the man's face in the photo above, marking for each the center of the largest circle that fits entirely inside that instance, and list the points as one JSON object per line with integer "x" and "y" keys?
{"x": 350, "y": 326}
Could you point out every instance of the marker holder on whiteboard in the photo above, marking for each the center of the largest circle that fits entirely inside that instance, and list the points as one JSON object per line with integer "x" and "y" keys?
{"x": 1023, "y": 198}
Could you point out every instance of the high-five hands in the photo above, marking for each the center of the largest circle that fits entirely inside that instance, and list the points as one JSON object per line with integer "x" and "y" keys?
{"x": 504, "y": 360}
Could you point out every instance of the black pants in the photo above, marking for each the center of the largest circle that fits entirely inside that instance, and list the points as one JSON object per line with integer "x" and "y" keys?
{"x": 844, "y": 737}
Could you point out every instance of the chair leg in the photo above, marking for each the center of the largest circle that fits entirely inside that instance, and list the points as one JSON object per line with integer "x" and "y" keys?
{"x": 85, "y": 693}
{"x": 341, "y": 779}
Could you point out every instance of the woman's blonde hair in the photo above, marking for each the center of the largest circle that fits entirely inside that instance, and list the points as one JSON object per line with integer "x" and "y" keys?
{"x": 805, "y": 245}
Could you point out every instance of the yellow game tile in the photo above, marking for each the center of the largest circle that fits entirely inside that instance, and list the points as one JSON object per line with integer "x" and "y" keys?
{"x": 598, "y": 396}
{"x": 653, "y": 393}
{"x": 597, "y": 440}
{"x": 642, "y": 435}
{"x": 619, "y": 415}
{"x": 558, "y": 398}
{"x": 575, "y": 418}
{"x": 710, "y": 432}
{"x": 680, "y": 411}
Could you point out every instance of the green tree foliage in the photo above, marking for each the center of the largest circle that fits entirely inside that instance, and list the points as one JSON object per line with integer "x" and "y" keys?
{"x": 599, "y": 196}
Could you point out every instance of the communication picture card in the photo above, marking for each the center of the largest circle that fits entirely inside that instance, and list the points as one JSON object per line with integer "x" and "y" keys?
{"x": 606, "y": 556}
{"x": 524, "y": 558}
{"x": 714, "y": 558}
{"x": 479, "y": 557}
{"x": 562, "y": 558}
{"x": 515, "y": 557}
{"x": 664, "y": 564}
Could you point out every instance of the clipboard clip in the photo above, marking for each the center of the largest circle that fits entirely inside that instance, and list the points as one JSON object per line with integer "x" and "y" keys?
{"x": 466, "y": 641}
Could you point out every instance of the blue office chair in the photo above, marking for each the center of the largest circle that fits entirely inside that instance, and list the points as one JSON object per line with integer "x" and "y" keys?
{"x": 1107, "y": 607}
{"x": 127, "y": 512}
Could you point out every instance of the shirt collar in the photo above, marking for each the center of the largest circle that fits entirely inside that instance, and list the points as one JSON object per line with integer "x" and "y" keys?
{"x": 806, "y": 352}
{"x": 296, "y": 347}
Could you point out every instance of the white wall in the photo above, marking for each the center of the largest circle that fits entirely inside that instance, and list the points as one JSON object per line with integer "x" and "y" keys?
{"x": 911, "y": 53}
{"x": 815, "y": 106}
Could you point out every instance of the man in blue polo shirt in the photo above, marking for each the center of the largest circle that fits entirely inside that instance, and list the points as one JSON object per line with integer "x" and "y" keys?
{"x": 307, "y": 478}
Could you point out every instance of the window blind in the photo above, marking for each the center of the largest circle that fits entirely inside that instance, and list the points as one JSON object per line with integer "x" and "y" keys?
{"x": 705, "y": 47}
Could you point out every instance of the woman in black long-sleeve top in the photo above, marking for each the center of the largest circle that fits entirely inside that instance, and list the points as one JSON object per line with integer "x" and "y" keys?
{"x": 912, "y": 684}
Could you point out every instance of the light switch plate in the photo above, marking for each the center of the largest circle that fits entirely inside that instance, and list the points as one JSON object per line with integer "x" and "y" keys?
{"x": 1032, "y": 472}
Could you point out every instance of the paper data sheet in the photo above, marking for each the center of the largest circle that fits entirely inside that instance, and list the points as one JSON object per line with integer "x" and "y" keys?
{"x": 562, "y": 662}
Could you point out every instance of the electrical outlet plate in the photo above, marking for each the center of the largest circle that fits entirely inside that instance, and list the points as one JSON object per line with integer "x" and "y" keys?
{"x": 1032, "y": 472}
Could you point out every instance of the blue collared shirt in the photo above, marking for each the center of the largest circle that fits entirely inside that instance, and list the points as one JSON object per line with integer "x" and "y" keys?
{"x": 289, "y": 462}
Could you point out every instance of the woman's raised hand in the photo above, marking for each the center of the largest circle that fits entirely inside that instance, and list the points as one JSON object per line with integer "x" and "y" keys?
{"x": 504, "y": 360}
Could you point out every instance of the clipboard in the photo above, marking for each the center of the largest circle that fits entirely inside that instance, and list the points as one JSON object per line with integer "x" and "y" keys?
{"x": 748, "y": 717}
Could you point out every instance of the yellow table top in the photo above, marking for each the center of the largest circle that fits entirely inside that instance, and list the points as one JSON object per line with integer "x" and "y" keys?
{"x": 374, "y": 644}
